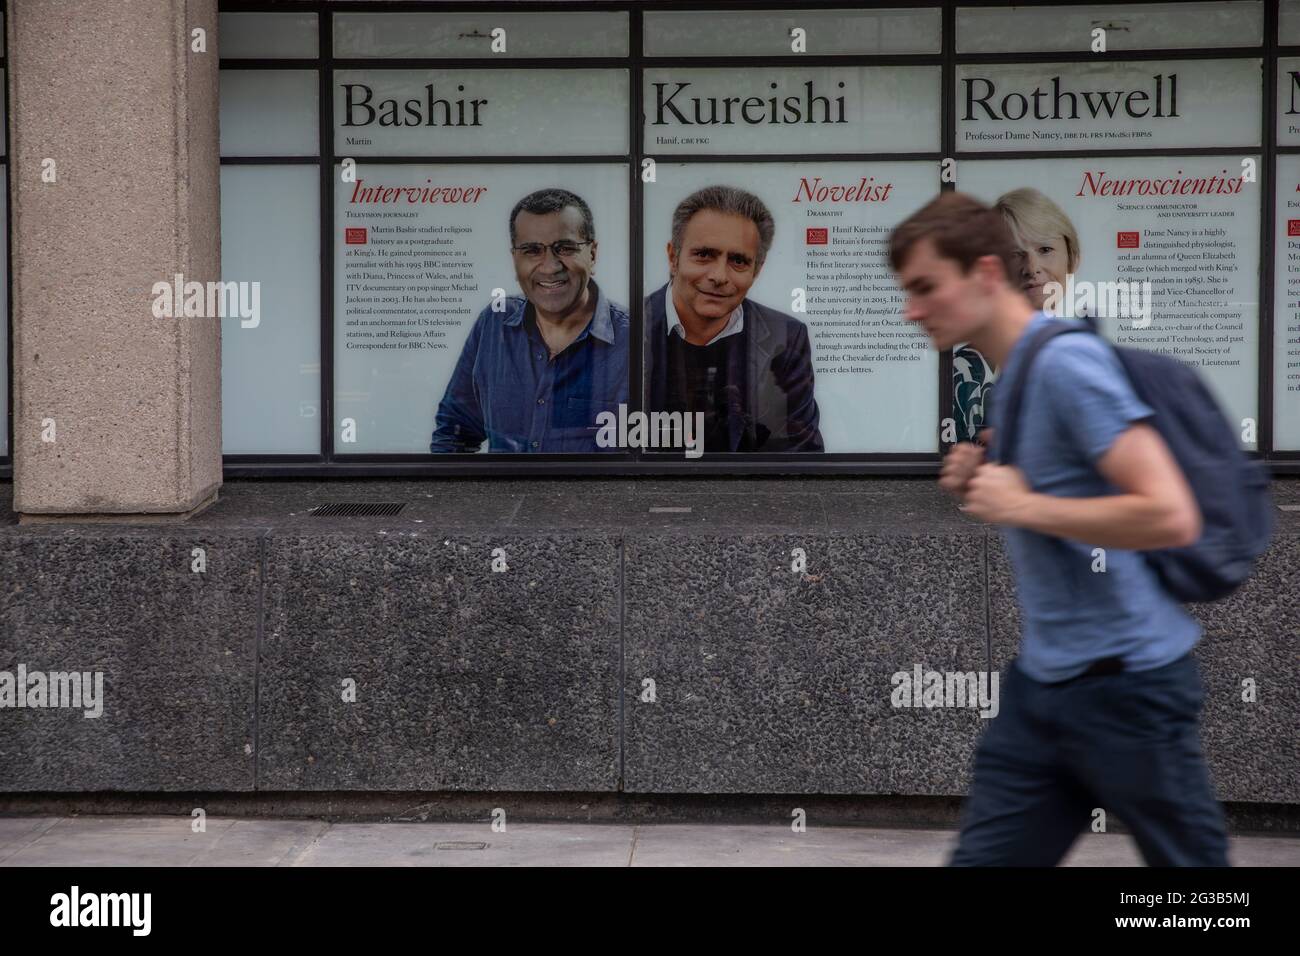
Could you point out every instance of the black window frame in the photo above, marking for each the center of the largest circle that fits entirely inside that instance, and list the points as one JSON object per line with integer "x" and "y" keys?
{"x": 7, "y": 459}
{"x": 331, "y": 463}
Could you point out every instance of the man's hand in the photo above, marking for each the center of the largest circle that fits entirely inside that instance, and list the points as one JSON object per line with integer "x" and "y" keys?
{"x": 999, "y": 494}
{"x": 959, "y": 467}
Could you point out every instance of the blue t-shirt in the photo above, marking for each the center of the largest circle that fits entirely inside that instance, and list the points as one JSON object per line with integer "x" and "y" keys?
{"x": 1077, "y": 401}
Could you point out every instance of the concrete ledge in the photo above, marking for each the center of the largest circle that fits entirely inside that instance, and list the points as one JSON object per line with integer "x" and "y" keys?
{"x": 175, "y": 648}
{"x": 553, "y": 806}
{"x": 465, "y": 678}
{"x": 206, "y": 500}
{"x": 767, "y": 680}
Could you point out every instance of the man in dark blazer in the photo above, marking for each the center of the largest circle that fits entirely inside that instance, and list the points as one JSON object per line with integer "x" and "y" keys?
{"x": 746, "y": 367}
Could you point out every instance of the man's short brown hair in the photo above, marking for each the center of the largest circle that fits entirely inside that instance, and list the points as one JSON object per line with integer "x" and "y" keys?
{"x": 729, "y": 201}
{"x": 962, "y": 228}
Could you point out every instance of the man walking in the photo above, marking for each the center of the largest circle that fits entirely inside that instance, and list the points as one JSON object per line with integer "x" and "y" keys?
{"x": 1100, "y": 709}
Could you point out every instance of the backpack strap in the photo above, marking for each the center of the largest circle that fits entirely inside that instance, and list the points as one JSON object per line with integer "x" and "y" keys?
{"x": 1005, "y": 411}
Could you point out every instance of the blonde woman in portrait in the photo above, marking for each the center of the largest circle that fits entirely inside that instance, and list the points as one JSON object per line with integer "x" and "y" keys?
{"x": 1048, "y": 252}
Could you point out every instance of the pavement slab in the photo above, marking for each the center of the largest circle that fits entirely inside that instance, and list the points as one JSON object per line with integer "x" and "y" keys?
{"x": 171, "y": 841}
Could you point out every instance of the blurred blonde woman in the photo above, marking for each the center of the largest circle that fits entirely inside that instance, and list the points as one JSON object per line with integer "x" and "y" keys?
{"x": 1048, "y": 252}
{"x": 1049, "y": 244}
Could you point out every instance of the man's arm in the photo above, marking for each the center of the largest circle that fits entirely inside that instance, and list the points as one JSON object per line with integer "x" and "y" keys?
{"x": 960, "y": 463}
{"x": 459, "y": 419}
{"x": 1093, "y": 404}
{"x": 1154, "y": 509}
{"x": 802, "y": 424}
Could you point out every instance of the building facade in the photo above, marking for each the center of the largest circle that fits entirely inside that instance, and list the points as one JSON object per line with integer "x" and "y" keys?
{"x": 324, "y": 241}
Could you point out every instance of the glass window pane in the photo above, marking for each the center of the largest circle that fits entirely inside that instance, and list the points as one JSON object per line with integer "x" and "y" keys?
{"x": 1128, "y": 26}
{"x": 4, "y": 313}
{"x": 480, "y": 112}
{"x": 1137, "y": 105}
{"x": 1288, "y": 101}
{"x": 1288, "y": 24}
{"x": 792, "y": 110}
{"x": 436, "y": 342}
{"x": 279, "y": 36}
{"x": 441, "y": 35}
{"x": 1286, "y": 307}
{"x": 269, "y": 113}
{"x": 716, "y": 33}
{"x": 1089, "y": 224}
{"x": 270, "y": 371}
{"x": 820, "y": 335}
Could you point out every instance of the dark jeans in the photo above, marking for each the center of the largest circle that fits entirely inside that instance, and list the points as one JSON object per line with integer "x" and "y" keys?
{"x": 1128, "y": 743}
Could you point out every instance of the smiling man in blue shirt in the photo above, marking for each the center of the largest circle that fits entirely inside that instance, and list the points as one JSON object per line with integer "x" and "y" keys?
{"x": 534, "y": 376}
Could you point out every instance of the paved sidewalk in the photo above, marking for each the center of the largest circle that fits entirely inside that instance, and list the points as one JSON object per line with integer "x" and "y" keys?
{"x": 170, "y": 841}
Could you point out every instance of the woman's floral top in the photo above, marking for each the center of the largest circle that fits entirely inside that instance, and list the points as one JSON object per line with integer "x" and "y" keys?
{"x": 972, "y": 385}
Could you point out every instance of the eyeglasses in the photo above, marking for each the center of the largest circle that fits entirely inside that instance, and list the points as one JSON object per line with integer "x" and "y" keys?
{"x": 563, "y": 249}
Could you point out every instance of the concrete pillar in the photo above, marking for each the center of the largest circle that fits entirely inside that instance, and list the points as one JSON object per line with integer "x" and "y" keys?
{"x": 111, "y": 91}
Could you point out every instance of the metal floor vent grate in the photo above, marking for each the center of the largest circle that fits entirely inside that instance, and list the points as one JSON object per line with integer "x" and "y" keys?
{"x": 357, "y": 509}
